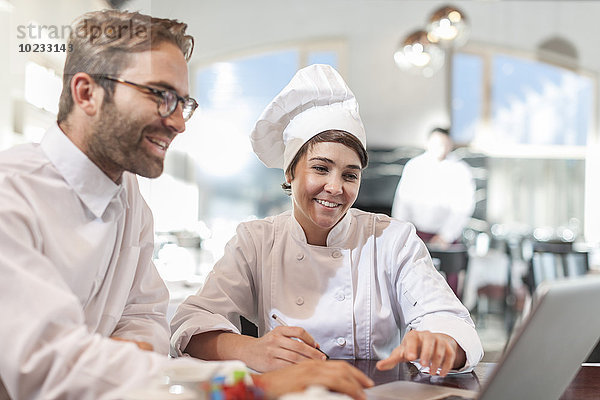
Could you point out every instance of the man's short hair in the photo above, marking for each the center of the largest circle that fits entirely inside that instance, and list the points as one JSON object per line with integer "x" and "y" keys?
{"x": 438, "y": 129}
{"x": 101, "y": 43}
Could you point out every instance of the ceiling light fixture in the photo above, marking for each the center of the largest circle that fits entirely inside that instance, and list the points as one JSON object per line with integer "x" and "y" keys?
{"x": 448, "y": 26}
{"x": 419, "y": 55}
{"x": 423, "y": 51}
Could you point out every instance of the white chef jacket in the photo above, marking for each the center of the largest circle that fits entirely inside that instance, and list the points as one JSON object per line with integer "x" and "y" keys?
{"x": 356, "y": 296}
{"x": 75, "y": 268}
{"x": 436, "y": 196}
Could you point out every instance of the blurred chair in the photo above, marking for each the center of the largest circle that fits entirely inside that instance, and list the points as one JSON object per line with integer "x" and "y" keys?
{"x": 452, "y": 262}
{"x": 507, "y": 302}
{"x": 554, "y": 260}
{"x": 558, "y": 260}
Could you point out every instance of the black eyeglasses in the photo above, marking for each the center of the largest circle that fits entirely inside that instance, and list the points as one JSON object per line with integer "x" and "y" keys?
{"x": 167, "y": 100}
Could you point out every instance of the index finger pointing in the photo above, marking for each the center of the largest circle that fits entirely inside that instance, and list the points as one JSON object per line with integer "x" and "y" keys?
{"x": 397, "y": 356}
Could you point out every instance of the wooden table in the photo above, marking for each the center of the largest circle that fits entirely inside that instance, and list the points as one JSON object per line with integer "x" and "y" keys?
{"x": 585, "y": 385}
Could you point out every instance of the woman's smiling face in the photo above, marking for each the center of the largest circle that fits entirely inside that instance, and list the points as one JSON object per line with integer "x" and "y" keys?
{"x": 325, "y": 185}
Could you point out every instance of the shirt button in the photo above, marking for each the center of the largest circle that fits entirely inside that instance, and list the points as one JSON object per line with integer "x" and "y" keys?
{"x": 339, "y": 296}
{"x": 299, "y": 256}
{"x": 299, "y": 301}
{"x": 336, "y": 254}
{"x": 341, "y": 341}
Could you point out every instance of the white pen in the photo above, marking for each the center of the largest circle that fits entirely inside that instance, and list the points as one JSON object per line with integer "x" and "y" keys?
{"x": 282, "y": 323}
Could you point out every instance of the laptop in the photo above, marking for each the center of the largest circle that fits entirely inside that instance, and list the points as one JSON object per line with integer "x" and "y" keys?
{"x": 542, "y": 358}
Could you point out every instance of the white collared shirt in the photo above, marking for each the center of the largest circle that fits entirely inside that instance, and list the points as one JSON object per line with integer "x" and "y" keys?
{"x": 356, "y": 296}
{"x": 75, "y": 268}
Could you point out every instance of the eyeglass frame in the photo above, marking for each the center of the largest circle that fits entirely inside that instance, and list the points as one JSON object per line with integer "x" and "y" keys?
{"x": 189, "y": 102}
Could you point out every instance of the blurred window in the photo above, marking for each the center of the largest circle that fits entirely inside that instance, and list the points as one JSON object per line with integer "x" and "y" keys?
{"x": 533, "y": 120}
{"x": 501, "y": 102}
{"x": 467, "y": 96}
{"x": 42, "y": 87}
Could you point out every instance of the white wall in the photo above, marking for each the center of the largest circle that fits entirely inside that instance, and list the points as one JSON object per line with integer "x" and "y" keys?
{"x": 14, "y": 23}
{"x": 5, "y": 87}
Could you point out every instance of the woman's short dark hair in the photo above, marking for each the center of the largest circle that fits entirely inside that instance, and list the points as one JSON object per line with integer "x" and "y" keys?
{"x": 333, "y": 136}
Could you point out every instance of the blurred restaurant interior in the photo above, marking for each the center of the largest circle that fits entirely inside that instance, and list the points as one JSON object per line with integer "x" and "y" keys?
{"x": 517, "y": 81}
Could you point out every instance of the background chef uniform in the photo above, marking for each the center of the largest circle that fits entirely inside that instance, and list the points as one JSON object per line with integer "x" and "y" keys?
{"x": 437, "y": 196}
{"x": 356, "y": 296}
{"x": 76, "y": 268}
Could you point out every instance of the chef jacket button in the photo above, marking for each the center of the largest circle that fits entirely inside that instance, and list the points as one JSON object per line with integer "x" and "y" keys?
{"x": 336, "y": 254}
{"x": 341, "y": 341}
{"x": 299, "y": 301}
{"x": 339, "y": 296}
{"x": 299, "y": 256}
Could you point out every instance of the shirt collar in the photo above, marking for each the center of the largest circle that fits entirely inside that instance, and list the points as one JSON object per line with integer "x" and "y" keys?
{"x": 337, "y": 235}
{"x": 94, "y": 187}
{"x": 340, "y": 232}
{"x": 449, "y": 157}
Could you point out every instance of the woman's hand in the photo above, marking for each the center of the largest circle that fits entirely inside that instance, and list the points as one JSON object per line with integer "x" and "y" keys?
{"x": 283, "y": 346}
{"x": 338, "y": 376}
{"x": 433, "y": 350}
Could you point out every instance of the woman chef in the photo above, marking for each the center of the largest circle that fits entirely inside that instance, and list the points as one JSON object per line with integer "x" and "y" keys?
{"x": 349, "y": 282}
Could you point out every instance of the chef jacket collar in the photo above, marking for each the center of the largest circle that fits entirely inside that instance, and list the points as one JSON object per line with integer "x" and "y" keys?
{"x": 92, "y": 185}
{"x": 449, "y": 157}
{"x": 336, "y": 237}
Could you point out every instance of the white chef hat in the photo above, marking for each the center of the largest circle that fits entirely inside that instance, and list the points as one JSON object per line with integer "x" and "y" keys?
{"x": 316, "y": 99}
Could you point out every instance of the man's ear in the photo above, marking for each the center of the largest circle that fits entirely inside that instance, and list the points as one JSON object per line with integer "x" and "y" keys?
{"x": 86, "y": 93}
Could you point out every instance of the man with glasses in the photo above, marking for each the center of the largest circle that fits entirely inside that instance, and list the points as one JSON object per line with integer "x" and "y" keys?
{"x": 81, "y": 298}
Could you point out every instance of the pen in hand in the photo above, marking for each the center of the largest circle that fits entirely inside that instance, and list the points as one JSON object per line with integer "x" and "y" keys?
{"x": 282, "y": 323}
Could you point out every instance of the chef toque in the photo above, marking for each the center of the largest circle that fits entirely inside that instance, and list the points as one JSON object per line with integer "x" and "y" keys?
{"x": 317, "y": 99}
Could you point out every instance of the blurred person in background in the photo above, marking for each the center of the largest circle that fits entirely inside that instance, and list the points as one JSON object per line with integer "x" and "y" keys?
{"x": 436, "y": 192}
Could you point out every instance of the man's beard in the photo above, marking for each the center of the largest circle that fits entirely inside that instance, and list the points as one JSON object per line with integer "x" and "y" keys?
{"x": 116, "y": 144}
